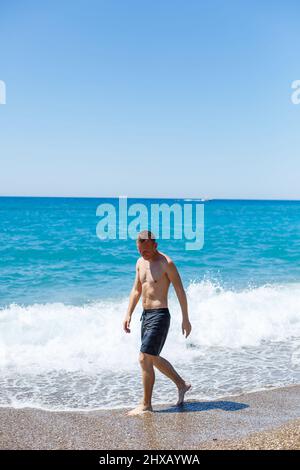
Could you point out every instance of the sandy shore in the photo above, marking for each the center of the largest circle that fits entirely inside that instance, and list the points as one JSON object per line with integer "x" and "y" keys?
{"x": 260, "y": 420}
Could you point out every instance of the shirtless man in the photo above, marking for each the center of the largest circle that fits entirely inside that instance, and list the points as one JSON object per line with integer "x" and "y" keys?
{"x": 154, "y": 273}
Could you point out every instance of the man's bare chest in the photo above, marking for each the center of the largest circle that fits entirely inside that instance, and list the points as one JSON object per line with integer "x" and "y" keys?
{"x": 152, "y": 274}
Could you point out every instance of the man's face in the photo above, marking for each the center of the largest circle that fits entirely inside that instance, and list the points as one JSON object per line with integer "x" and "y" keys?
{"x": 146, "y": 247}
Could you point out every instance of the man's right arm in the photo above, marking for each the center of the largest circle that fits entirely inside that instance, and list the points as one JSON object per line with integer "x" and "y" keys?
{"x": 134, "y": 297}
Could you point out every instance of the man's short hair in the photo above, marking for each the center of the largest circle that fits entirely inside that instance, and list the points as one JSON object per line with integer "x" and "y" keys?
{"x": 146, "y": 235}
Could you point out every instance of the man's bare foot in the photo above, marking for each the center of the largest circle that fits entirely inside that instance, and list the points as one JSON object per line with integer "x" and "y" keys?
{"x": 181, "y": 392}
{"x": 139, "y": 410}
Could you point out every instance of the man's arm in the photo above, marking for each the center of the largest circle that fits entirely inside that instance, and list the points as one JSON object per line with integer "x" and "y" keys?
{"x": 134, "y": 297}
{"x": 174, "y": 277}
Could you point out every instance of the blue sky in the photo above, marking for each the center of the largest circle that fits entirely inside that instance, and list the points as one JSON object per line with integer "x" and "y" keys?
{"x": 160, "y": 98}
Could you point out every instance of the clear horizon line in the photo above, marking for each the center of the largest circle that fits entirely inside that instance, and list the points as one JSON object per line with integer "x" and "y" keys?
{"x": 202, "y": 198}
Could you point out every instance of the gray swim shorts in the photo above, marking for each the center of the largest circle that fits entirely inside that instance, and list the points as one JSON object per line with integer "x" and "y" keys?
{"x": 154, "y": 329}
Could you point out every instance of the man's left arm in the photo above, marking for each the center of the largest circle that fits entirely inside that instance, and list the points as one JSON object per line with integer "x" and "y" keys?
{"x": 174, "y": 277}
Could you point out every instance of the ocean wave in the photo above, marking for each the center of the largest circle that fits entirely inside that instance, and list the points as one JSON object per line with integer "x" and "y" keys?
{"x": 58, "y": 357}
{"x": 91, "y": 338}
{"x": 246, "y": 318}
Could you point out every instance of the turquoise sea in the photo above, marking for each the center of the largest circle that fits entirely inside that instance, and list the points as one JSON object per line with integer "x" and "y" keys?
{"x": 64, "y": 293}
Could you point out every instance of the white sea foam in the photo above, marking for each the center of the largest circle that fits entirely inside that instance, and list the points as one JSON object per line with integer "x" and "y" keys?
{"x": 236, "y": 319}
{"x": 63, "y": 356}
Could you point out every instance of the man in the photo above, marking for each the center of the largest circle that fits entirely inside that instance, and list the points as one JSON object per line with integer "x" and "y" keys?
{"x": 154, "y": 273}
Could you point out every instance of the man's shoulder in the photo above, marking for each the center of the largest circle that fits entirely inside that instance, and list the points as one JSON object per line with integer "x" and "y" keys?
{"x": 166, "y": 259}
{"x": 139, "y": 261}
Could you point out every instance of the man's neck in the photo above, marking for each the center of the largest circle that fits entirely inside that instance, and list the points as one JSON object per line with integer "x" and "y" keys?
{"x": 154, "y": 257}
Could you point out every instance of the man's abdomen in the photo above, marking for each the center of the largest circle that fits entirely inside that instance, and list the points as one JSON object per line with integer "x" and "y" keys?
{"x": 155, "y": 295}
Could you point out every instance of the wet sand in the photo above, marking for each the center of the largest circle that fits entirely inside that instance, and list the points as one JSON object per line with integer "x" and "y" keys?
{"x": 261, "y": 420}
{"x": 286, "y": 437}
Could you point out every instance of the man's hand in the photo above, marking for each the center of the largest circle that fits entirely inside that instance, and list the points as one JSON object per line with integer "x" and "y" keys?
{"x": 186, "y": 327}
{"x": 126, "y": 324}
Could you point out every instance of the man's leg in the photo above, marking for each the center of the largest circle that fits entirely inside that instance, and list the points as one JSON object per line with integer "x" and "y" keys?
{"x": 148, "y": 376}
{"x": 167, "y": 369}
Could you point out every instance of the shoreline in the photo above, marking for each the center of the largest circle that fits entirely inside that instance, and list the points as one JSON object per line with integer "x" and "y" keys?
{"x": 261, "y": 419}
{"x": 156, "y": 405}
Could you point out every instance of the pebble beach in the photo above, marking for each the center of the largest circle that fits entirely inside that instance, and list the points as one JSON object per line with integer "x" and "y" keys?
{"x": 268, "y": 419}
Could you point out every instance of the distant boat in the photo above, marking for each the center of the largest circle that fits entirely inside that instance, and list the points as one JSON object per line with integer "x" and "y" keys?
{"x": 202, "y": 199}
